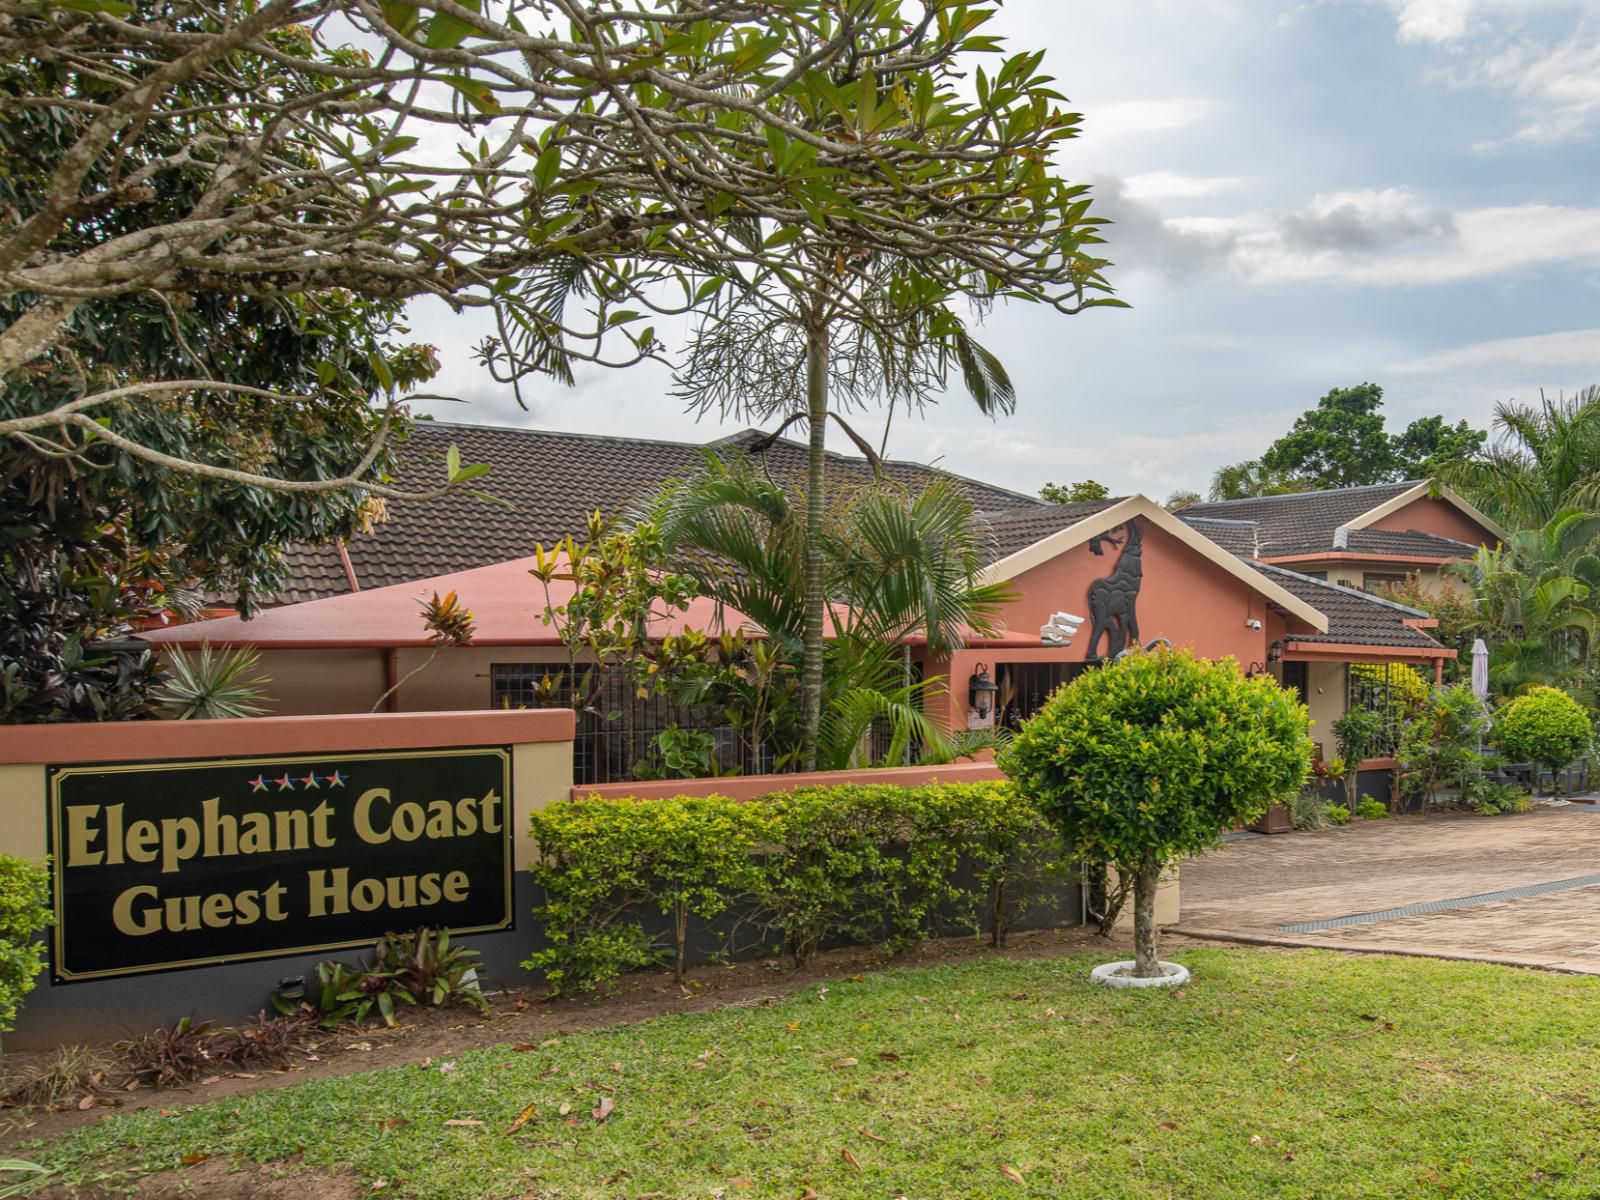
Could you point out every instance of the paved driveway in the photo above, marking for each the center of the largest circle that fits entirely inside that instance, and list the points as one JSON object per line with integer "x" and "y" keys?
{"x": 1430, "y": 885}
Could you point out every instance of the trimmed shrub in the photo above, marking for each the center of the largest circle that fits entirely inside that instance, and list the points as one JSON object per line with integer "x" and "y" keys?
{"x": 24, "y": 912}
{"x": 881, "y": 864}
{"x": 1544, "y": 726}
{"x": 1371, "y": 810}
{"x": 600, "y": 860}
{"x": 1149, "y": 759}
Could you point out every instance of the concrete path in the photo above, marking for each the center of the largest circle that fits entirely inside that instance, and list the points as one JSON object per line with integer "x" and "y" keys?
{"x": 1380, "y": 873}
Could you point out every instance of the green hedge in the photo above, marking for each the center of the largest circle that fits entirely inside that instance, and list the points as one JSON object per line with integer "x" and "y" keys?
{"x": 24, "y": 912}
{"x": 882, "y": 864}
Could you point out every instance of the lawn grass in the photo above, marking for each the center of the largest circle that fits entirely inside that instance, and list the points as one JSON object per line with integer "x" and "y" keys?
{"x": 1306, "y": 1074}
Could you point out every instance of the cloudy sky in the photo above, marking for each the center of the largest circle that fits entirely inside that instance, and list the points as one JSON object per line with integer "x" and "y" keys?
{"x": 1306, "y": 195}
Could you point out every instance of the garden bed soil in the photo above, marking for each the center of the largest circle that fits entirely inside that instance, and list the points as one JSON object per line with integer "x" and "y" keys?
{"x": 522, "y": 1016}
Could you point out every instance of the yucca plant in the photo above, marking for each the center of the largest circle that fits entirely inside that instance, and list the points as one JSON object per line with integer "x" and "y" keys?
{"x": 213, "y": 684}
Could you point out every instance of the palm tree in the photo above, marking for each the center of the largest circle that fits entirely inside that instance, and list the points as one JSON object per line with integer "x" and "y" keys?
{"x": 1536, "y": 618}
{"x": 1545, "y": 460}
{"x": 804, "y": 347}
{"x": 895, "y": 564}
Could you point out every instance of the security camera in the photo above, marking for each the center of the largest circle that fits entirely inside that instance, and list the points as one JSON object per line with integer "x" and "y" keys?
{"x": 1252, "y": 623}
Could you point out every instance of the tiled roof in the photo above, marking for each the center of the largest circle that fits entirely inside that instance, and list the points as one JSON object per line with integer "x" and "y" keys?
{"x": 1303, "y": 522}
{"x": 550, "y": 483}
{"x": 1020, "y": 526}
{"x": 1236, "y": 537}
{"x": 1354, "y": 618}
{"x": 1410, "y": 542}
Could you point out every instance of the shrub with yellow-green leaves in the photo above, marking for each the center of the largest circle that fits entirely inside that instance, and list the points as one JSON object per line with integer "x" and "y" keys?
{"x": 24, "y": 912}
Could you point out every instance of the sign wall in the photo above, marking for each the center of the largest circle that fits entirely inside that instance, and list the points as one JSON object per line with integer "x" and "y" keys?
{"x": 160, "y": 866}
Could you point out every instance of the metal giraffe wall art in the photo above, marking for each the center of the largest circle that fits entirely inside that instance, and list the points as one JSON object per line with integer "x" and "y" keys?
{"x": 1114, "y": 600}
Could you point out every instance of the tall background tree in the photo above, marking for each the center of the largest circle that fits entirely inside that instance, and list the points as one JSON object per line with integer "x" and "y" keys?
{"x": 1545, "y": 460}
{"x": 1343, "y": 442}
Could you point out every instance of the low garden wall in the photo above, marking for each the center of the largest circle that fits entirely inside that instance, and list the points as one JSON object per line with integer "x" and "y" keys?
{"x": 197, "y": 864}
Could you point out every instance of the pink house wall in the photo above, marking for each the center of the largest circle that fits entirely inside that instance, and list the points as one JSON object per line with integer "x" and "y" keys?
{"x": 1183, "y": 597}
{"x": 1438, "y": 517}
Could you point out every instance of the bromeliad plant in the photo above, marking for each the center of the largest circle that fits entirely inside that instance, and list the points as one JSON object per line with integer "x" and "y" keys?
{"x": 1150, "y": 759}
{"x": 420, "y": 967}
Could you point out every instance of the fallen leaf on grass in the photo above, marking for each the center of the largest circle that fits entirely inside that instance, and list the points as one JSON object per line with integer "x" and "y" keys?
{"x": 190, "y": 1160}
{"x": 604, "y": 1109}
{"x": 1012, "y": 1173}
{"x": 741, "y": 1183}
{"x": 393, "y": 1123}
{"x": 463, "y": 1123}
{"x": 1167, "y": 1125}
{"x": 359, "y": 1046}
{"x": 888, "y": 1056}
{"x": 868, "y": 1134}
{"x": 808, "y": 1194}
{"x": 523, "y": 1048}
{"x": 523, "y": 1118}
{"x": 851, "y": 1159}
{"x": 86, "y": 1104}
{"x": 848, "y": 1062}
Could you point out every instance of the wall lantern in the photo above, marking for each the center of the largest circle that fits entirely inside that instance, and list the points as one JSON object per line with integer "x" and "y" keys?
{"x": 1275, "y": 652}
{"x": 981, "y": 691}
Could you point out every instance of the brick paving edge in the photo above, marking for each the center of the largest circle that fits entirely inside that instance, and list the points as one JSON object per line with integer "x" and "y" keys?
{"x": 1556, "y": 966}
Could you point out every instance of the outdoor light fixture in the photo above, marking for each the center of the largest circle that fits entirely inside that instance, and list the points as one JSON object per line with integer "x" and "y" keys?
{"x": 981, "y": 691}
{"x": 1275, "y": 652}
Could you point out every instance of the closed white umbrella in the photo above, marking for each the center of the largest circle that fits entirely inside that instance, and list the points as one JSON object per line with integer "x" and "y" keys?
{"x": 1480, "y": 669}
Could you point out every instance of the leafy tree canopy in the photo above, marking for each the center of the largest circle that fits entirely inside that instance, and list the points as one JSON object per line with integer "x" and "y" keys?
{"x": 1070, "y": 493}
{"x": 1343, "y": 442}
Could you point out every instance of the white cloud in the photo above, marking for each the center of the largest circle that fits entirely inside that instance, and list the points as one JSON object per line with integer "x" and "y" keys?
{"x": 1556, "y": 86}
{"x": 1170, "y": 185}
{"x": 1431, "y": 20}
{"x": 1475, "y": 244}
{"x": 1570, "y": 346}
{"x": 1129, "y": 117}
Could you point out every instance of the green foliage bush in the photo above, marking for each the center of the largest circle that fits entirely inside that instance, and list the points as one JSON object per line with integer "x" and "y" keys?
{"x": 1495, "y": 798}
{"x": 24, "y": 912}
{"x": 1544, "y": 726}
{"x": 1338, "y": 814}
{"x": 1371, "y": 810}
{"x": 1150, "y": 759}
{"x": 884, "y": 864}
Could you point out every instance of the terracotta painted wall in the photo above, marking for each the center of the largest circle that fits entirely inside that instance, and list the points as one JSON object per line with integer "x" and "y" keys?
{"x": 1183, "y": 597}
{"x": 1436, "y": 517}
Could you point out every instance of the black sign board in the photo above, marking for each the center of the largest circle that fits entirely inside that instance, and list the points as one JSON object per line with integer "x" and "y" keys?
{"x": 185, "y": 864}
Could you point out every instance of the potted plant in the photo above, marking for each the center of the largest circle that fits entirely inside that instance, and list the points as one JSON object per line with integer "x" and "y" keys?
{"x": 1146, "y": 761}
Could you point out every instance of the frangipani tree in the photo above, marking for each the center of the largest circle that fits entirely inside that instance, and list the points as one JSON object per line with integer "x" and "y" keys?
{"x": 507, "y": 155}
{"x": 1148, "y": 760}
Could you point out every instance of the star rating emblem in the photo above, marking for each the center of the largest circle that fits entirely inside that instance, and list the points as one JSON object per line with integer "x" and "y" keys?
{"x": 285, "y": 784}
{"x": 336, "y": 779}
{"x": 258, "y": 784}
{"x": 310, "y": 781}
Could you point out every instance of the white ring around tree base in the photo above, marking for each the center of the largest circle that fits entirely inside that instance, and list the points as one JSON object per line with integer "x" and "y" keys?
{"x": 1111, "y": 975}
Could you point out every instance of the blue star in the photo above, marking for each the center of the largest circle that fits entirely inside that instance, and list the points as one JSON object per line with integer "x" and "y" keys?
{"x": 258, "y": 784}
{"x": 336, "y": 779}
{"x": 285, "y": 784}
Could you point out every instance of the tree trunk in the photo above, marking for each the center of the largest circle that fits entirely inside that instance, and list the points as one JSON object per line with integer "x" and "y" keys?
{"x": 816, "y": 583}
{"x": 1146, "y": 964}
{"x": 680, "y": 935}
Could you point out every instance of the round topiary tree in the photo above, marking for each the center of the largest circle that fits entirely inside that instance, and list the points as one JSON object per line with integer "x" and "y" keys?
{"x": 1544, "y": 726}
{"x": 1150, "y": 759}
